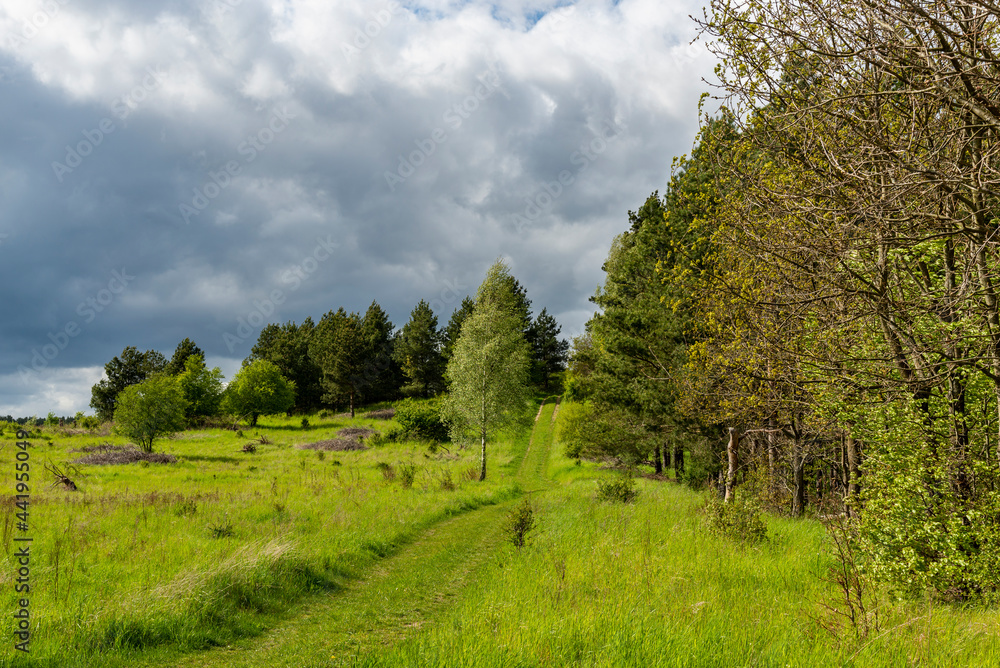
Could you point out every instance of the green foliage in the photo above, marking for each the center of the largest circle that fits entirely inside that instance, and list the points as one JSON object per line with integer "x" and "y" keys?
{"x": 706, "y": 459}
{"x": 620, "y": 489}
{"x": 450, "y": 334}
{"x": 130, "y": 368}
{"x": 86, "y": 421}
{"x": 258, "y": 389}
{"x": 149, "y": 410}
{"x": 548, "y": 352}
{"x": 421, "y": 419}
{"x": 519, "y": 523}
{"x": 418, "y": 351}
{"x": 287, "y": 347}
{"x": 488, "y": 371}
{"x": 355, "y": 355}
{"x": 184, "y": 351}
{"x": 382, "y": 373}
{"x": 447, "y": 482}
{"x": 407, "y": 474}
{"x": 600, "y": 431}
{"x": 391, "y": 435}
{"x": 202, "y": 388}
{"x": 738, "y": 520}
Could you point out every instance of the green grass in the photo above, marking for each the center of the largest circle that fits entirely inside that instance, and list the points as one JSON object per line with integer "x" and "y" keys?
{"x": 130, "y": 562}
{"x": 356, "y": 570}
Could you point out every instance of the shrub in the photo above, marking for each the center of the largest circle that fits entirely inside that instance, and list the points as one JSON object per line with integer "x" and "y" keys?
{"x": 388, "y": 472}
{"x": 422, "y": 419}
{"x": 222, "y": 530}
{"x": 620, "y": 489}
{"x": 407, "y": 474}
{"x": 737, "y": 520}
{"x": 305, "y": 423}
{"x": 447, "y": 483}
{"x": 519, "y": 523}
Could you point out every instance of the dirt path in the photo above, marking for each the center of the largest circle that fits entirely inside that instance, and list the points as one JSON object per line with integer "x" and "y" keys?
{"x": 400, "y": 595}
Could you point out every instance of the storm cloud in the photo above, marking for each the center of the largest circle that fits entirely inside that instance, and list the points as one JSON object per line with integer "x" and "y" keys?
{"x": 196, "y": 169}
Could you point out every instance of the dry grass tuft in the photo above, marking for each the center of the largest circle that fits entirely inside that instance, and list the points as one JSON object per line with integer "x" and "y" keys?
{"x": 381, "y": 414}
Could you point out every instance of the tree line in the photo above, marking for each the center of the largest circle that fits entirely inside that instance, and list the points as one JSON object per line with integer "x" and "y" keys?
{"x": 342, "y": 360}
{"x": 810, "y": 311}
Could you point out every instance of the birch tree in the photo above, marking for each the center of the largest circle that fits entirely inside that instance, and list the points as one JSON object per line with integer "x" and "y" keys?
{"x": 488, "y": 372}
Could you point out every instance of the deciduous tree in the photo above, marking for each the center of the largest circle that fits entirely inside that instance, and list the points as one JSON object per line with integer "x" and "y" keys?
{"x": 258, "y": 389}
{"x": 130, "y": 368}
{"x": 488, "y": 373}
{"x": 150, "y": 409}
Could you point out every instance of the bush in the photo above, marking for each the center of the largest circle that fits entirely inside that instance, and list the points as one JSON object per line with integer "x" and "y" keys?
{"x": 447, "y": 484}
{"x": 407, "y": 474}
{"x": 519, "y": 523}
{"x": 737, "y": 520}
{"x": 620, "y": 489}
{"x": 388, "y": 472}
{"x": 422, "y": 419}
{"x": 379, "y": 438}
{"x": 706, "y": 458}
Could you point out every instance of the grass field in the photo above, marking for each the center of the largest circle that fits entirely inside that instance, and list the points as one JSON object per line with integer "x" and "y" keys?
{"x": 329, "y": 563}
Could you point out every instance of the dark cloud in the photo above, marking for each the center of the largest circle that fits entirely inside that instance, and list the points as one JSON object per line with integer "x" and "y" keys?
{"x": 167, "y": 168}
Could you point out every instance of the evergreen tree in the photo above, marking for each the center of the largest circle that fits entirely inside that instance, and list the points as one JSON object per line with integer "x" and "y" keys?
{"x": 339, "y": 348}
{"x": 454, "y": 328}
{"x": 418, "y": 351}
{"x": 549, "y": 352}
{"x": 131, "y": 368}
{"x": 287, "y": 347}
{"x": 184, "y": 350}
{"x": 382, "y": 375}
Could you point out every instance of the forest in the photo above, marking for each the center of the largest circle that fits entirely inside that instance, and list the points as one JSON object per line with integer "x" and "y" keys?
{"x": 811, "y": 306}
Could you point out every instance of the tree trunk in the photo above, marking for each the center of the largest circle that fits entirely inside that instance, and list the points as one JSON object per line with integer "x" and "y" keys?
{"x": 733, "y": 450}
{"x": 658, "y": 458}
{"x": 798, "y": 475}
{"x": 853, "y": 476}
{"x": 352, "y": 404}
{"x": 772, "y": 449}
{"x": 482, "y": 461}
{"x": 678, "y": 456}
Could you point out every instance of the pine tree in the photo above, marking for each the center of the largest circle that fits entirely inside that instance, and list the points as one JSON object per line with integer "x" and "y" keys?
{"x": 418, "y": 351}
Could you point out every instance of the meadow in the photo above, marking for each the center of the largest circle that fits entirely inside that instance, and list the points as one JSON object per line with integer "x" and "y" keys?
{"x": 199, "y": 552}
{"x": 289, "y": 557}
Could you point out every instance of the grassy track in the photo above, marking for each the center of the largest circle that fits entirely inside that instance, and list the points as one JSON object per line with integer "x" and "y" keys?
{"x": 402, "y": 594}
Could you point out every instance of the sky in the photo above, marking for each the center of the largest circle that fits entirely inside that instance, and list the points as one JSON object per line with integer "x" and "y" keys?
{"x": 182, "y": 168}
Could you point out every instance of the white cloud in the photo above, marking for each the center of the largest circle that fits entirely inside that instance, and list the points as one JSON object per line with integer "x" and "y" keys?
{"x": 369, "y": 87}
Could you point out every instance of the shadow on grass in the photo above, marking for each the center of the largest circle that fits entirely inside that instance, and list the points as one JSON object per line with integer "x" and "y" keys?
{"x": 209, "y": 458}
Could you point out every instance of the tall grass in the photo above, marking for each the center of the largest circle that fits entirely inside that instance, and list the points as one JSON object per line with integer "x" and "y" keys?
{"x": 137, "y": 558}
{"x": 647, "y": 584}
